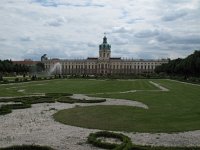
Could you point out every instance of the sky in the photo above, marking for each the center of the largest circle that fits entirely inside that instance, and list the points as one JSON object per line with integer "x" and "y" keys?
{"x": 73, "y": 29}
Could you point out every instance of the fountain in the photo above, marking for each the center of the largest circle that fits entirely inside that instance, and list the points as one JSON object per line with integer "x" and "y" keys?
{"x": 56, "y": 69}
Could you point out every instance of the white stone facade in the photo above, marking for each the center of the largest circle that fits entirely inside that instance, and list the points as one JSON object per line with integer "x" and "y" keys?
{"x": 104, "y": 64}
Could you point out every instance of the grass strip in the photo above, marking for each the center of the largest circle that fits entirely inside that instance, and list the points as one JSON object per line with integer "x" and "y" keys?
{"x": 27, "y": 147}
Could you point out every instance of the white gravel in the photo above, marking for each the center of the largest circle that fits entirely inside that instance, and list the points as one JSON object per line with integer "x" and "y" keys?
{"x": 111, "y": 101}
{"x": 36, "y": 126}
{"x": 159, "y": 86}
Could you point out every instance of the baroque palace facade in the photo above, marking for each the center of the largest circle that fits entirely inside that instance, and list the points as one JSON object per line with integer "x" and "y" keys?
{"x": 102, "y": 65}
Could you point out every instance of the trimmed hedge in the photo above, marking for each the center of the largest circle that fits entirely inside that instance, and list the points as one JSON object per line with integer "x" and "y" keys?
{"x": 44, "y": 99}
{"x": 125, "y": 145}
{"x": 17, "y": 106}
{"x": 27, "y": 147}
{"x": 66, "y": 100}
{"x": 5, "y": 110}
{"x": 58, "y": 94}
{"x": 48, "y": 98}
{"x": 71, "y": 100}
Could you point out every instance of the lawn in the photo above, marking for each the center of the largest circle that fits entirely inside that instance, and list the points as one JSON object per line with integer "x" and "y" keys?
{"x": 74, "y": 86}
{"x": 173, "y": 111}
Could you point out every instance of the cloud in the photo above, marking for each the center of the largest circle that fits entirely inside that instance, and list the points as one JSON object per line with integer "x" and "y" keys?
{"x": 147, "y": 33}
{"x": 56, "y": 22}
{"x": 185, "y": 40}
{"x": 121, "y": 30}
{"x": 174, "y": 15}
{"x": 135, "y": 20}
{"x": 25, "y": 38}
{"x": 57, "y": 3}
{"x": 74, "y": 29}
{"x": 2, "y": 39}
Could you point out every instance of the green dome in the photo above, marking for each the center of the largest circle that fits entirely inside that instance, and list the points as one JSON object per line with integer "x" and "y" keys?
{"x": 104, "y": 45}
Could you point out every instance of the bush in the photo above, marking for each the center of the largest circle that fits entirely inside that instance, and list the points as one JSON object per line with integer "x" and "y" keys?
{"x": 4, "y": 110}
{"x": 16, "y": 106}
{"x": 71, "y": 100}
{"x": 5, "y": 81}
{"x": 25, "y": 80}
{"x": 27, "y": 147}
{"x": 66, "y": 100}
{"x": 58, "y": 94}
{"x": 44, "y": 99}
{"x": 125, "y": 145}
{"x": 16, "y": 79}
{"x": 1, "y": 77}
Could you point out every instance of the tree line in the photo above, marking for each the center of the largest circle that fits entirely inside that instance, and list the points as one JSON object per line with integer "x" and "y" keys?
{"x": 188, "y": 67}
{"x": 7, "y": 66}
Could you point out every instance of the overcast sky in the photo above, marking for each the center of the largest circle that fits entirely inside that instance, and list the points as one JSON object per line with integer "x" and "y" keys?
{"x": 148, "y": 29}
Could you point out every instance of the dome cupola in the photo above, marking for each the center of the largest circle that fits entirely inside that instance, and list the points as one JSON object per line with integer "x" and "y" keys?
{"x": 105, "y": 45}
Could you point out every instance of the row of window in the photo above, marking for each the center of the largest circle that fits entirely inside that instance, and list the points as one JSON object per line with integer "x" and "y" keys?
{"x": 104, "y": 66}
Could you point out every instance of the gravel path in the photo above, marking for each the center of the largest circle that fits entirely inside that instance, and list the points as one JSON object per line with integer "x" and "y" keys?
{"x": 159, "y": 86}
{"x": 36, "y": 126}
{"x": 110, "y": 101}
{"x": 184, "y": 82}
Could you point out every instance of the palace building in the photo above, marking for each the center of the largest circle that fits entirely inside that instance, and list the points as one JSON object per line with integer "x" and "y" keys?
{"x": 102, "y": 65}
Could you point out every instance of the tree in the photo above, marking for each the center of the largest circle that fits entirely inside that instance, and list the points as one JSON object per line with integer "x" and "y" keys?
{"x": 40, "y": 67}
{"x": 190, "y": 66}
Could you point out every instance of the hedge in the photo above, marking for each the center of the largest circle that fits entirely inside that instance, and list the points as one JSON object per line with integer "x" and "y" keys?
{"x": 125, "y": 145}
{"x": 27, "y": 147}
{"x": 48, "y": 98}
{"x": 71, "y": 100}
{"x": 58, "y": 94}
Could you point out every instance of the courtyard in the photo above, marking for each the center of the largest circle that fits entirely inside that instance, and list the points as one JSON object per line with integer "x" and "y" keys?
{"x": 156, "y": 112}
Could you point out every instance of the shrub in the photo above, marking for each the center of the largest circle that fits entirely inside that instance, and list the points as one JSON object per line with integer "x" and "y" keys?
{"x": 44, "y": 99}
{"x": 71, "y": 100}
{"x": 125, "y": 145}
{"x": 1, "y": 77}
{"x": 66, "y": 100}
{"x": 5, "y": 81}
{"x": 17, "y": 106}
{"x": 58, "y": 94}
{"x": 16, "y": 79}
{"x": 25, "y": 80}
{"x": 27, "y": 147}
{"x": 90, "y": 101}
{"x": 4, "y": 110}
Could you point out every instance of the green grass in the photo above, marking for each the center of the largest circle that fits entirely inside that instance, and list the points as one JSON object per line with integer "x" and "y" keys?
{"x": 74, "y": 86}
{"x": 173, "y": 111}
